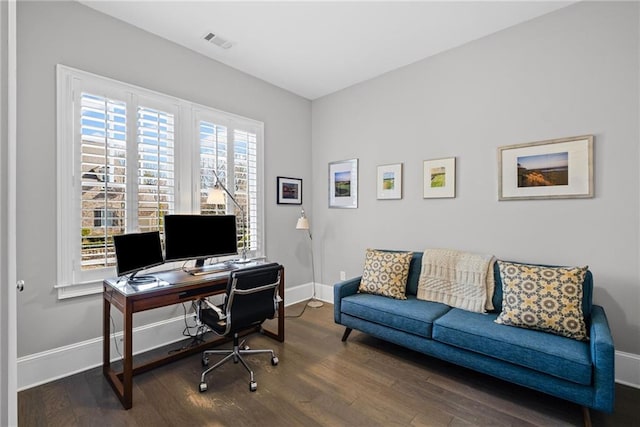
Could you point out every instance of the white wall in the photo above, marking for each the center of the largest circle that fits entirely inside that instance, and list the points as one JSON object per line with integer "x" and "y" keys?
{"x": 72, "y": 34}
{"x": 569, "y": 73}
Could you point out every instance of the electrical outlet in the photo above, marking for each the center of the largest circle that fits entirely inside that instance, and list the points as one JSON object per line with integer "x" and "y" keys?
{"x": 343, "y": 275}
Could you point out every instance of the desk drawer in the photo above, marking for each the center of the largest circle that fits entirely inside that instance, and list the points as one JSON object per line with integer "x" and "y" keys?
{"x": 176, "y": 296}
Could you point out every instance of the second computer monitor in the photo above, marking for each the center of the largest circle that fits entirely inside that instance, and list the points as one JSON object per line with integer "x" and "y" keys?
{"x": 137, "y": 251}
{"x": 199, "y": 237}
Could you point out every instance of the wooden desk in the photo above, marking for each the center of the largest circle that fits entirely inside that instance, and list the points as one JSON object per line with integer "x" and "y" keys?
{"x": 173, "y": 287}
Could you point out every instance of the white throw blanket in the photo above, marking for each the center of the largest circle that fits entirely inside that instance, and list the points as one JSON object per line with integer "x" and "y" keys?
{"x": 459, "y": 279}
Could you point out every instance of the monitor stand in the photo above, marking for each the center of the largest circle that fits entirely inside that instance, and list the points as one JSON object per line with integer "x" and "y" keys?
{"x": 137, "y": 280}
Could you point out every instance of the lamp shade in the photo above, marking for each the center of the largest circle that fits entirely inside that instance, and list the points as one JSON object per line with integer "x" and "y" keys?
{"x": 303, "y": 223}
{"x": 216, "y": 196}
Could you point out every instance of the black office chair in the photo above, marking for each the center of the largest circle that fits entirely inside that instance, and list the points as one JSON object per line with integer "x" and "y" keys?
{"x": 251, "y": 298}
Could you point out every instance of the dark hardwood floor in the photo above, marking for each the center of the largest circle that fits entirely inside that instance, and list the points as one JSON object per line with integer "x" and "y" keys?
{"x": 320, "y": 381}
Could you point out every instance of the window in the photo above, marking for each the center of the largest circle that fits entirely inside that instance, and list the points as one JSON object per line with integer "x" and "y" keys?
{"x": 104, "y": 218}
{"x": 128, "y": 156}
{"x": 156, "y": 183}
{"x": 103, "y": 147}
{"x": 232, "y": 160}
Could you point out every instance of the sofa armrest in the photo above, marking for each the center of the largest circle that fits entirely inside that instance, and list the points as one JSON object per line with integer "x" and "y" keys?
{"x": 341, "y": 290}
{"x": 602, "y": 357}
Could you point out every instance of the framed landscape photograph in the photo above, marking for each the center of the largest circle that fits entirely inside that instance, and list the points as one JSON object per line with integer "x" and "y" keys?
{"x": 289, "y": 191}
{"x": 439, "y": 178}
{"x": 554, "y": 169}
{"x": 389, "y": 182}
{"x": 343, "y": 184}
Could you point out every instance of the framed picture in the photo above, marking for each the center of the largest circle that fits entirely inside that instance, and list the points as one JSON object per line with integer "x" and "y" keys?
{"x": 289, "y": 191}
{"x": 553, "y": 169}
{"x": 343, "y": 184}
{"x": 389, "y": 182}
{"x": 439, "y": 178}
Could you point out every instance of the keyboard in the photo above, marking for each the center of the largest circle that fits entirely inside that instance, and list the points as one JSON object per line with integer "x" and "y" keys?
{"x": 208, "y": 269}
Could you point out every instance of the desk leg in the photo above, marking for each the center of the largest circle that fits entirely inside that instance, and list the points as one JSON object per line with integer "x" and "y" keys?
{"x": 280, "y": 335}
{"x": 106, "y": 335}
{"x": 127, "y": 367}
{"x": 281, "y": 310}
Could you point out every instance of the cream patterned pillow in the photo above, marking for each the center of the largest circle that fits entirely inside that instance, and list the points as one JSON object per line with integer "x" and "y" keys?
{"x": 385, "y": 273}
{"x": 544, "y": 298}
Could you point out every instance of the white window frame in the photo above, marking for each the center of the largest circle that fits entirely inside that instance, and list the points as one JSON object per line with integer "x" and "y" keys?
{"x": 70, "y": 280}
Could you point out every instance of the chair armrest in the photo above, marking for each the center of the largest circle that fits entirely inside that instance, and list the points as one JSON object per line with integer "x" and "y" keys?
{"x": 215, "y": 308}
{"x": 603, "y": 358}
{"x": 341, "y": 290}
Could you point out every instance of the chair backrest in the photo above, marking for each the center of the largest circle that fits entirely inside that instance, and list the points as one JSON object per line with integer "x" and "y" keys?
{"x": 252, "y": 295}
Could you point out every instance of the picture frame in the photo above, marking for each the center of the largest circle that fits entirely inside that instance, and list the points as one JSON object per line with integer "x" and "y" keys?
{"x": 343, "y": 184}
{"x": 389, "y": 182}
{"x": 439, "y": 178}
{"x": 289, "y": 190}
{"x": 553, "y": 169}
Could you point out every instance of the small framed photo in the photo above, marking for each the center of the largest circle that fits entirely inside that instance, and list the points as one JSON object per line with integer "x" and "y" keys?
{"x": 343, "y": 184}
{"x": 389, "y": 182}
{"x": 439, "y": 178}
{"x": 289, "y": 191}
{"x": 552, "y": 169}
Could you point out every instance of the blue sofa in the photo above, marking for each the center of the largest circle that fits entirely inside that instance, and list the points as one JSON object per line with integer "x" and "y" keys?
{"x": 581, "y": 372}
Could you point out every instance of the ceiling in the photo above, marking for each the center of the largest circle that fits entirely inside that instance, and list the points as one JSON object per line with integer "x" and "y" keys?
{"x": 315, "y": 48}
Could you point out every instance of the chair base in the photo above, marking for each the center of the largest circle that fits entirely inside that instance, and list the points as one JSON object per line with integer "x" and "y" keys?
{"x": 239, "y": 349}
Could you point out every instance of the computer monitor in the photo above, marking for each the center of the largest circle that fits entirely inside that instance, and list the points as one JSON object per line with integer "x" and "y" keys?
{"x": 137, "y": 251}
{"x": 199, "y": 237}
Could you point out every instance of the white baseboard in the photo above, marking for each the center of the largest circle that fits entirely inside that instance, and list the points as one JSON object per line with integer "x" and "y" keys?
{"x": 50, "y": 365}
{"x": 628, "y": 369}
{"x": 41, "y": 368}
{"x": 303, "y": 292}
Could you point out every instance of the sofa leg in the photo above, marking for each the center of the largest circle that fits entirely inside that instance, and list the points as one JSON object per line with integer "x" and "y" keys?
{"x": 347, "y": 331}
{"x": 586, "y": 415}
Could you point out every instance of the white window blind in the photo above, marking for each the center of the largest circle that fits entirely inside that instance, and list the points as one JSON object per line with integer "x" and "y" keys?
{"x": 234, "y": 161}
{"x": 103, "y": 150}
{"x": 213, "y": 157}
{"x": 127, "y": 156}
{"x": 245, "y": 174}
{"x": 156, "y": 181}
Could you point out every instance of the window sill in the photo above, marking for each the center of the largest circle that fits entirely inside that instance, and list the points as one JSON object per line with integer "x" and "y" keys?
{"x": 79, "y": 290}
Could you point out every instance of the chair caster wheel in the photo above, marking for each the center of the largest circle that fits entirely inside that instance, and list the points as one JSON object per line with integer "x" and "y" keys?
{"x": 274, "y": 361}
{"x": 205, "y": 361}
{"x": 246, "y": 347}
{"x": 202, "y": 387}
{"x": 253, "y": 386}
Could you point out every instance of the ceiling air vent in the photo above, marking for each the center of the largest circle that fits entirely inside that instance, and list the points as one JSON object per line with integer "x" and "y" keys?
{"x": 218, "y": 41}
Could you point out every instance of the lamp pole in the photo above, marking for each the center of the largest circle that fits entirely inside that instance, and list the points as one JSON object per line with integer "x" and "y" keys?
{"x": 303, "y": 224}
{"x": 242, "y": 214}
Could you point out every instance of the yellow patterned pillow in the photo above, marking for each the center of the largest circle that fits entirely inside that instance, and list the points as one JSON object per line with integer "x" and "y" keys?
{"x": 544, "y": 298}
{"x": 385, "y": 273}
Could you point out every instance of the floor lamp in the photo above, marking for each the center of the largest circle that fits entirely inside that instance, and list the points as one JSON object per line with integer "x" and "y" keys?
{"x": 303, "y": 224}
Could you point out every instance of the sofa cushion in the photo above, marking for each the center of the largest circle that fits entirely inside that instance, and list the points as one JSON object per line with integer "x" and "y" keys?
{"x": 552, "y": 354}
{"x": 544, "y": 298}
{"x": 587, "y": 289}
{"x": 411, "y": 315}
{"x": 385, "y": 273}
